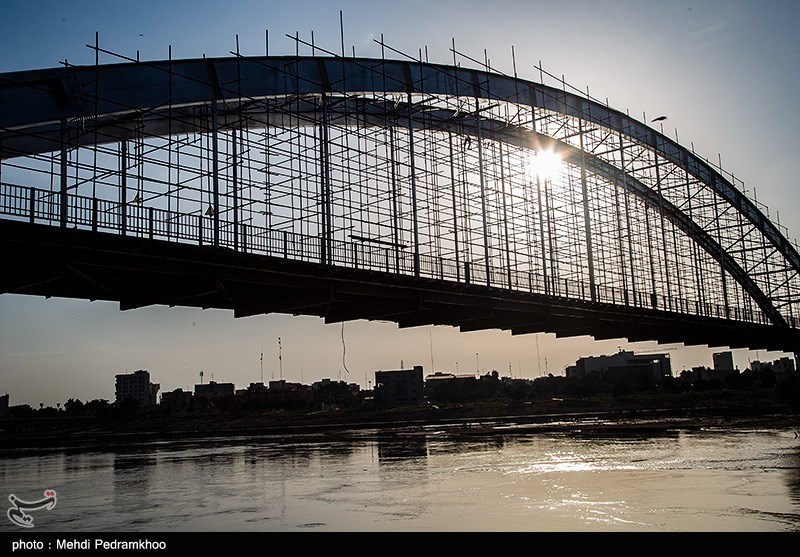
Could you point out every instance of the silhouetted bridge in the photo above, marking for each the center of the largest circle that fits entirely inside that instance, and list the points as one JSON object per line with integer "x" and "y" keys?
{"x": 379, "y": 189}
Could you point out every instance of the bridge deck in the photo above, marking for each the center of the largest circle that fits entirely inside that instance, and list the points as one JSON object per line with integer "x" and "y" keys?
{"x": 136, "y": 272}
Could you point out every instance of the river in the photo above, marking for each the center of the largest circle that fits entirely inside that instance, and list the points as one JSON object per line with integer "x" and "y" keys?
{"x": 422, "y": 479}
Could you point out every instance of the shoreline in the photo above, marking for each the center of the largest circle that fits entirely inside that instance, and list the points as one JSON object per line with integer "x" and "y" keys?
{"x": 623, "y": 422}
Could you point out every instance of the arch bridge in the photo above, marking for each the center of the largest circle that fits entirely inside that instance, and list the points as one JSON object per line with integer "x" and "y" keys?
{"x": 354, "y": 188}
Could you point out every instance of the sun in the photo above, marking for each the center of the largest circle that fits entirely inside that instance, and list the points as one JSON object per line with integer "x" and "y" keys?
{"x": 546, "y": 164}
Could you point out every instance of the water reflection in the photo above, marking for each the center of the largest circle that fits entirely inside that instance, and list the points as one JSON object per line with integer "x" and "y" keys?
{"x": 793, "y": 474}
{"x": 394, "y": 449}
{"x": 133, "y": 475}
{"x": 420, "y": 479}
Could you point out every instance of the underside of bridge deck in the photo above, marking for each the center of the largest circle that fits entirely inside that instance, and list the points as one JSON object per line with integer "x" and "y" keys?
{"x": 136, "y": 272}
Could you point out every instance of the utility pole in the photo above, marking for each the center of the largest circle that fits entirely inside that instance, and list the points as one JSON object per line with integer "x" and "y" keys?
{"x": 262, "y": 367}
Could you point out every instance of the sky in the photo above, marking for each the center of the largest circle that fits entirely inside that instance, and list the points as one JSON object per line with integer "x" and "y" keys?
{"x": 725, "y": 73}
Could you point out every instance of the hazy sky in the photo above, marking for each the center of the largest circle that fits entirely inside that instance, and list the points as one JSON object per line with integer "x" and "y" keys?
{"x": 724, "y": 72}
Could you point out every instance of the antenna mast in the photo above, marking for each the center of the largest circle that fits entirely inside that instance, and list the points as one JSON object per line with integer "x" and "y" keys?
{"x": 280, "y": 357}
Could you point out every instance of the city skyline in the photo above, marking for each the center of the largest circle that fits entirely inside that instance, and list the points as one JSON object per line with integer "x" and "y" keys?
{"x": 51, "y": 346}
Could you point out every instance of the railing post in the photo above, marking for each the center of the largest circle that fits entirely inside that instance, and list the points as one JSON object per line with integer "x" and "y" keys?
{"x": 200, "y": 229}
{"x": 467, "y": 277}
{"x": 285, "y": 245}
{"x": 32, "y": 204}
{"x": 150, "y": 223}
{"x": 244, "y": 238}
{"x": 94, "y": 214}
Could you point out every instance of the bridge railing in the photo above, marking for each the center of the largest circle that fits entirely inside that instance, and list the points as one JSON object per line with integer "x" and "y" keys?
{"x": 135, "y": 219}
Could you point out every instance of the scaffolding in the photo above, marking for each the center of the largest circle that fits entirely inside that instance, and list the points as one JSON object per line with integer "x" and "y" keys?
{"x": 406, "y": 179}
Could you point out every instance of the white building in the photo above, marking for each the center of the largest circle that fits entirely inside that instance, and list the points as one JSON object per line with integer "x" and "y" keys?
{"x": 137, "y": 386}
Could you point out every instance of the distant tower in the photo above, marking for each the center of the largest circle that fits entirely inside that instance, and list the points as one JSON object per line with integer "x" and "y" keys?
{"x": 201, "y": 376}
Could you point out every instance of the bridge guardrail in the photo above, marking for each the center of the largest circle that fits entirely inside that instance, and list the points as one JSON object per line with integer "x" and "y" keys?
{"x": 135, "y": 219}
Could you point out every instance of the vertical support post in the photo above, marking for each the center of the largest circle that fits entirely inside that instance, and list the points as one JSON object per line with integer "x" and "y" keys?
{"x": 505, "y": 216}
{"x": 620, "y": 243}
{"x": 94, "y": 214}
{"x": 395, "y": 212}
{"x": 215, "y": 170}
{"x": 455, "y": 213}
{"x": 541, "y": 233}
{"x": 627, "y": 218}
{"x": 63, "y": 173}
{"x": 150, "y": 224}
{"x": 235, "y": 188}
{"x": 663, "y": 233}
{"x": 550, "y": 211}
{"x": 721, "y": 259}
{"x": 653, "y": 294}
{"x": 586, "y": 216}
{"x": 123, "y": 217}
{"x": 413, "y": 189}
{"x": 483, "y": 194}
{"x": 32, "y": 206}
{"x": 327, "y": 221}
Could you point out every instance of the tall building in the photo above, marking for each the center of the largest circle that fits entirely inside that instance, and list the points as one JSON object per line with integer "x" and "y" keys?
{"x": 137, "y": 386}
{"x": 399, "y": 387}
{"x": 723, "y": 361}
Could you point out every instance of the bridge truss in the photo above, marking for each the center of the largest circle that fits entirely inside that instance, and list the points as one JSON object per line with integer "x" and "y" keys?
{"x": 403, "y": 169}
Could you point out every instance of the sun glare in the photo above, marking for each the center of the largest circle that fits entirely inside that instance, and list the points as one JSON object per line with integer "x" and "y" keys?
{"x": 547, "y": 165}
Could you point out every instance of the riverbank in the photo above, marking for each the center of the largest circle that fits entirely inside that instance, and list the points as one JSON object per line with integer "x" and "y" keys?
{"x": 638, "y": 415}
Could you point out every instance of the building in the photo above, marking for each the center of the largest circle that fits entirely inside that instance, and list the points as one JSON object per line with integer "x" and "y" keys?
{"x": 723, "y": 361}
{"x": 399, "y": 387}
{"x": 287, "y": 393}
{"x": 657, "y": 366}
{"x": 136, "y": 386}
{"x": 213, "y": 389}
{"x": 177, "y": 399}
{"x": 4, "y": 404}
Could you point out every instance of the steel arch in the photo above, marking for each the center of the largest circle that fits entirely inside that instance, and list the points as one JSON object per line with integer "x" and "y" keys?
{"x": 117, "y": 99}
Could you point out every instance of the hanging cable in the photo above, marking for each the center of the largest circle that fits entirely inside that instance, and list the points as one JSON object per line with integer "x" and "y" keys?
{"x": 344, "y": 350}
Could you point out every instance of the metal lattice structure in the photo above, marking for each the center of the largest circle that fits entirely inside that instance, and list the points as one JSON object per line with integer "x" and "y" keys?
{"x": 401, "y": 168}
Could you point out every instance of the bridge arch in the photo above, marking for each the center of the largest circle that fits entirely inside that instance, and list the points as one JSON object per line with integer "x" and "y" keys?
{"x": 641, "y": 221}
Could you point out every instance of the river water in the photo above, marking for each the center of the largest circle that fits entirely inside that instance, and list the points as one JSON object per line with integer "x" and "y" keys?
{"x": 422, "y": 479}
